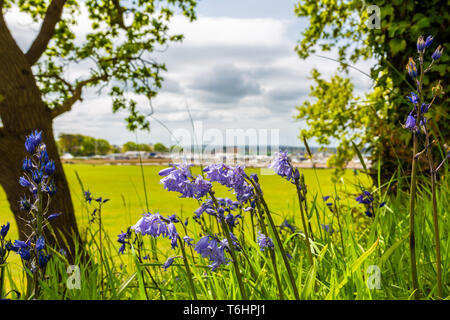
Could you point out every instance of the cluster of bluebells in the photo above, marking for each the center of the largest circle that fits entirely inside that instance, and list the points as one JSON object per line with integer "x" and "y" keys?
{"x": 3, "y": 244}
{"x": 38, "y": 178}
{"x": 283, "y": 168}
{"x": 231, "y": 177}
{"x": 411, "y": 67}
{"x": 214, "y": 249}
{"x": 264, "y": 241}
{"x": 224, "y": 211}
{"x": 38, "y": 172}
{"x": 366, "y": 198}
{"x": 33, "y": 253}
{"x": 179, "y": 178}
{"x": 156, "y": 225}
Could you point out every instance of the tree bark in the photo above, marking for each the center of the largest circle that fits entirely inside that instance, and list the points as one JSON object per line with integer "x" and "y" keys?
{"x": 22, "y": 111}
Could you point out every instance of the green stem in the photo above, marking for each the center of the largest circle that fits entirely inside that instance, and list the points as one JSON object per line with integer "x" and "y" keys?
{"x": 188, "y": 270}
{"x": 435, "y": 219}
{"x": 277, "y": 240}
{"x": 272, "y": 254}
{"x": 305, "y": 226}
{"x": 231, "y": 248}
{"x": 412, "y": 200}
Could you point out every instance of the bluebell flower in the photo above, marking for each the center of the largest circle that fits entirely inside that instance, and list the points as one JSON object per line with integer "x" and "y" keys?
{"x": 428, "y": 41}
{"x": 202, "y": 245}
{"x": 43, "y": 259}
{"x": 178, "y": 178}
{"x": 365, "y": 198}
{"x": 327, "y": 228}
{"x": 414, "y": 98}
{"x": 264, "y": 241}
{"x": 411, "y": 68}
{"x": 43, "y": 155}
{"x": 420, "y": 44}
{"x": 4, "y": 230}
{"x": 50, "y": 189}
{"x": 168, "y": 263}
{"x": 53, "y": 216}
{"x": 32, "y": 141}
{"x": 231, "y": 177}
{"x": 173, "y": 218}
{"x": 37, "y": 176}
{"x": 411, "y": 123}
{"x": 87, "y": 196}
{"x": 173, "y": 235}
{"x": 50, "y": 167}
{"x": 281, "y": 165}
{"x": 152, "y": 224}
{"x": 40, "y": 243}
{"x": 437, "y": 53}
{"x": 24, "y": 182}
{"x": 286, "y": 224}
{"x": 24, "y": 254}
{"x": 27, "y": 165}
{"x": 424, "y": 108}
{"x": 188, "y": 240}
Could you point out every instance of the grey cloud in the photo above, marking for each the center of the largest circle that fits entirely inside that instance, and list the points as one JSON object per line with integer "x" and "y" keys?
{"x": 225, "y": 84}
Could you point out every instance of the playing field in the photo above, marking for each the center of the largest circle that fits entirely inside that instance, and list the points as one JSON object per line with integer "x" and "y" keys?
{"x": 124, "y": 185}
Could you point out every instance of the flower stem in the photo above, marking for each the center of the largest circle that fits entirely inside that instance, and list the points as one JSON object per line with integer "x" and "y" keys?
{"x": 188, "y": 270}
{"x": 277, "y": 239}
{"x": 231, "y": 248}
{"x": 435, "y": 220}
{"x": 305, "y": 226}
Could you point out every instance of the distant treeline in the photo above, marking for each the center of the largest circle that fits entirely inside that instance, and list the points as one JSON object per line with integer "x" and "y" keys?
{"x": 81, "y": 145}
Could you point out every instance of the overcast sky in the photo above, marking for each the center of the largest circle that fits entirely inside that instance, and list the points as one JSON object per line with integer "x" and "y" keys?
{"x": 236, "y": 69}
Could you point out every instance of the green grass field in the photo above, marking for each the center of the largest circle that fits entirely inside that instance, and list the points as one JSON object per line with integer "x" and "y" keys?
{"x": 124, "y": 186}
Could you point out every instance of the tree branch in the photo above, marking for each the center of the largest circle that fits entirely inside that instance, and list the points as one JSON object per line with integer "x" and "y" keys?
{"x": 52, "y": 17}
{"x": 76, "y": 95}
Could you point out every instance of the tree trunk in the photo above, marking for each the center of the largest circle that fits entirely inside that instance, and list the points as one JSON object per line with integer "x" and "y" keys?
{"x": 21, "y": 111}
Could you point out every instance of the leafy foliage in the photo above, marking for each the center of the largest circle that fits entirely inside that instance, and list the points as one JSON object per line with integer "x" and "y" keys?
{"x": 116, "y": 44}
{"x": 374, "y": 120}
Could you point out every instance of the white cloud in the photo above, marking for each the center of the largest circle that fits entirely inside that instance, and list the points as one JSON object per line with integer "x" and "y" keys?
{"x": 233, "y": 73}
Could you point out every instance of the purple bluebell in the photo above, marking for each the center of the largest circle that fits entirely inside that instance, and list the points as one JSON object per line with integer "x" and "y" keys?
{"x": 413, "y": 98}
{"x": 24, "y": 254}
{"x": 53, "y": 216}
{"x": 281, "y": 165}
{"x": 286, "y": 224}
{"x": 27, "y": 165}
{"x": 264, "y": 241}
{"x": 152, "y": 224}
{"x": 37, "y": 176}
{"x": 437, "y": 53}
{"x": 168, "y": 263}
{"x": 24, "y": 182}
{"x": 4, "y": 230}
{"x": 43, "y": 259}
{"x": 188, "y": 240}
{"x": 179, "y": 179}
{"x": 411, "y": 123}
{"x": 32, "y": 141}
{"x": 428, "y": 41}
{"x": 421, "y": 44}
{"x": 327, "y": 228}
{"x": 412, "y": 68}
{"x": 50, "y": 189}
{"x": 424, "y": 108}
{"x": 50, "y": 167}
{"x": 173, "y": 235}
{"x": 25, "y": 204}
{"x": 40, "y": 243}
